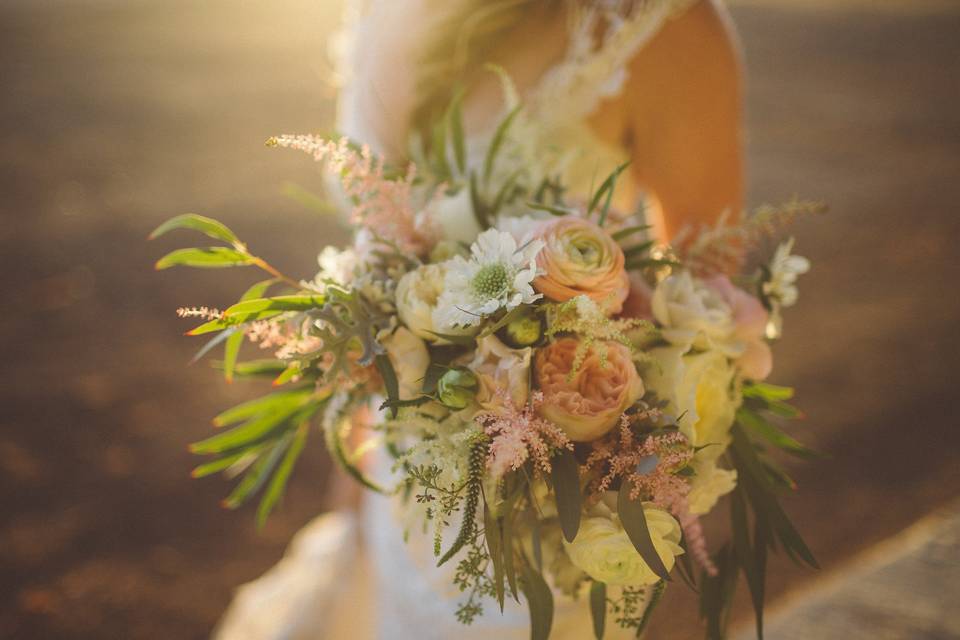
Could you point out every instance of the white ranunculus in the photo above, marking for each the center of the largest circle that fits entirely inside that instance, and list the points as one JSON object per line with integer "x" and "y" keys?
{"x": 694, "y": 315}
{"x": 604, "y": 552}
{"x": 409, "y": 356}
{"x": 455, "y": 217}
{"x": 699, "y": 390}
{"x": 708, "y": 484}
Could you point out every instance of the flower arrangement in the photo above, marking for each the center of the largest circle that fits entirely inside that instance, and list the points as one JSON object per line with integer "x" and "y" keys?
{"x": 561, "y": 397}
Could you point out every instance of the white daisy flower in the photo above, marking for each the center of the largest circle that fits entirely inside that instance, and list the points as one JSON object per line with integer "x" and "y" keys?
{"x": 784, "y": 269}
{"x": 498, "y": 275}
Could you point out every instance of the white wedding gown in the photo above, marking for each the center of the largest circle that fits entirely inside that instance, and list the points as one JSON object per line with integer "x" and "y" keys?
{"x": 353, "y": 576}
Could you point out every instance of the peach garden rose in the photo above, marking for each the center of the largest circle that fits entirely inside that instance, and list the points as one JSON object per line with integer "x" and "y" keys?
{"x": 589, "y": 403}
{"x": 580, "y": 258}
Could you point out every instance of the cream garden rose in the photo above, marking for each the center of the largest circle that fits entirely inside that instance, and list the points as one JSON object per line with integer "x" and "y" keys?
{"x": 693, "y": 315}
{"x": 580, "y": 258}
{"x": 698, "y": 388}
{"x": 588, "y": 403}
{"x": 604, "y": 552}
{"x": 497, "y": 366}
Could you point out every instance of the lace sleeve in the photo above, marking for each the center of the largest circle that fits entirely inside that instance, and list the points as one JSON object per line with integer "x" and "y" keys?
{"x": 604, "y": 37}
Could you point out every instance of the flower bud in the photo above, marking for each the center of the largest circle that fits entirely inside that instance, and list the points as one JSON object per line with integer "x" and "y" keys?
{"x": 523, "y": 331}
{"x": 457, "y": 388}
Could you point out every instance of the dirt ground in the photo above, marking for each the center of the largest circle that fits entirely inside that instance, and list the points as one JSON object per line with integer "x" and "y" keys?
{"x": 116, "y": 115}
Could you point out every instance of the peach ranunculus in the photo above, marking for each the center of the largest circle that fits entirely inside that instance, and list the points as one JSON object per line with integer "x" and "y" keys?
{"x": 588, "y": 403}
{"x": 497, "y": 367}
{"x": 580, "y": 258}
{"x": 749, "y": 327}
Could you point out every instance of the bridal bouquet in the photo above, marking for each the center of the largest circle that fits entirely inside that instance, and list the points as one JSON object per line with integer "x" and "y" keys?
{"x": 560, "y": 397}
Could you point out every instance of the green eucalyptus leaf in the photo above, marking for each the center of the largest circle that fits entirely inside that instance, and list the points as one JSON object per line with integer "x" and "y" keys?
{"x": 390, "y": 382}
{"x": 493, "y": 536}
{"x": 565, "y": 473}
{"x": 598, "y": 608}
{"x": 540, "y": 602}
{"x": 204, "y": 258}
{"x": 209, "y": 226}
{"x": 635, "y": 524}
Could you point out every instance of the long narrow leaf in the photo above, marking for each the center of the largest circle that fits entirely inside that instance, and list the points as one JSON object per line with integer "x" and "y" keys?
{"x": 209, "y": 226}
{"x": 204, "y": 258}
{"x": 635, "y": 524}
{"x": 598, "y": 608}
{"x": 540, "y": 602}
{"x": 565, "y": 474}
{"x": 279, "y": 480}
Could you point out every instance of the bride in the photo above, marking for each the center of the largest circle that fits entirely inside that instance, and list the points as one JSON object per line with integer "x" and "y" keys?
{"x": 656, "y": 82}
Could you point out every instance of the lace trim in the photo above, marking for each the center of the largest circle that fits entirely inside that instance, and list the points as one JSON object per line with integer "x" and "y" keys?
{"x": 572, "y": 89}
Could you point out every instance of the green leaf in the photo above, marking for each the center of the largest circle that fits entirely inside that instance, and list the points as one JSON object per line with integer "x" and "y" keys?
{"x": 767, "y": 391}
{"x": 455, "y": 123}
{"x": 204, "y": 258}
{"x": 685, "y": 566}
{"x": 540, "y": 602}
{"x": 264, "y": 367}
{"x": 333, "y": 435}
{"x": 263, "y": 404}
{"x": 598, "y": 608}
{"x": 745, "y": 555}
{"x": 628, "y": 231}
{"x": 769, "y": 432}
{"x": 258, "y": 474}
{"x": 605, "y": 192}
{"x": 493, "y": 536}
{"x": 213, "y": 342}
{"x": 293, "y": 370}
{"x": 250, "y": 432}
{"x": 390, "y": 382}
{"x": 635, "y": 524}
{"x": 297, "y": 302}
{"x": 565, "y": 474}
{"x": 231, "y": 349}
{"x": 717, "y": 592}
{"x": 308, "y": 199}
{"x": 509, "y": 566}
{"x": 499, "y": 135}
{"x": 208, "y": 226}
{"x": 556, "y": 211}
{"x": 279, "y": 480}
{"x": 220, "y": 464}
{"x": 656, "y": 594}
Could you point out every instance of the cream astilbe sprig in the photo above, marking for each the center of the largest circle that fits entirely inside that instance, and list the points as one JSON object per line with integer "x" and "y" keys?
{"x": 584, "y": 317}
{"x": 720, "y": 248}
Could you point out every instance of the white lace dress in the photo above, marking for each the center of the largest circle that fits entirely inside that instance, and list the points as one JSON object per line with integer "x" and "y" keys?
{"x": 329, "y": 584}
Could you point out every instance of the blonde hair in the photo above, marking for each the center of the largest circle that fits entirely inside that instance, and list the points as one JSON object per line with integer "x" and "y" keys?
{"x": 459, "y": 45}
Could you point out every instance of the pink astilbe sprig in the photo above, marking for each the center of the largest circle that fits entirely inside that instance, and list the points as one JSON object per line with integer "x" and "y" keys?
{"x": 695, "y": 539}
{"x": 621, "y": 455}
{"x": 519, "y": 434}
{"x": 383, "y": 205}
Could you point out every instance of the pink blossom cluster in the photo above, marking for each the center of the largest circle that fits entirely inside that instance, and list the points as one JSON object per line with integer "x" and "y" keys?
{"x": 382, "y": 205}
{"x": 519, "y": 434}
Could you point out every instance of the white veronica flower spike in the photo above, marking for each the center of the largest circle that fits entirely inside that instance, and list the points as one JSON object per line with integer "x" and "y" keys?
{"x": 498, "y": 275}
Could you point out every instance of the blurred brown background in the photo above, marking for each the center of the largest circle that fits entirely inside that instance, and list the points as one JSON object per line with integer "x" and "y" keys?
{"x": 116, "y": 115}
